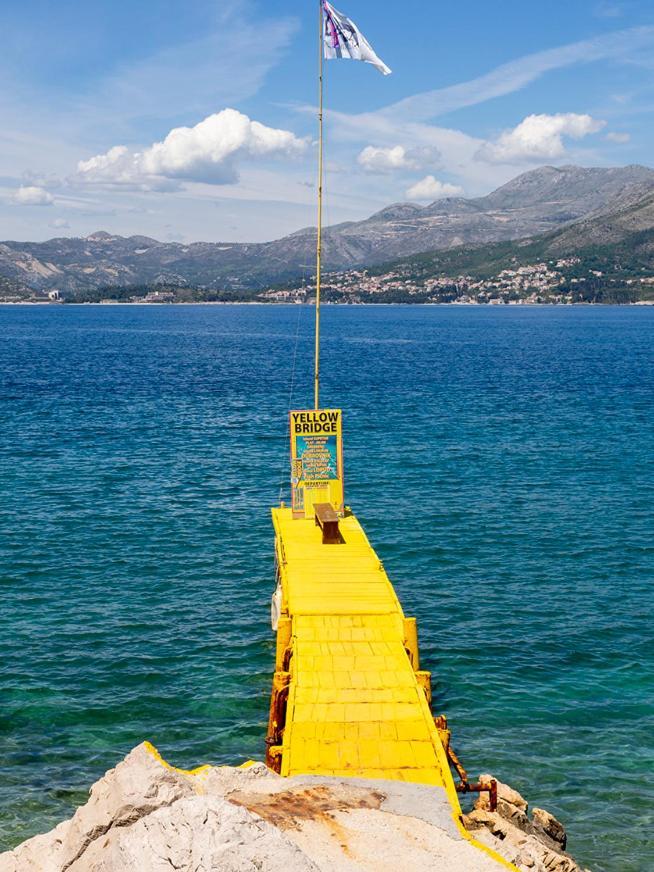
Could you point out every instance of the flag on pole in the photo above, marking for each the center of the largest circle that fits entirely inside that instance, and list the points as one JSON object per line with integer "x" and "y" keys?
{"x": 343, "y": 39}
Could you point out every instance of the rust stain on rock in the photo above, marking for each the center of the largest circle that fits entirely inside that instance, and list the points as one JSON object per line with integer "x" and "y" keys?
{"x": 289, "y": 808}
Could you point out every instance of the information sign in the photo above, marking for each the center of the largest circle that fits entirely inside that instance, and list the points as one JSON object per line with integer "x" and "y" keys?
{"x": 316, "y": 460}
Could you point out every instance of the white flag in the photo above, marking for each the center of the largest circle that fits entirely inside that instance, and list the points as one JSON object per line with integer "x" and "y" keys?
{"x": 343, "y": 39}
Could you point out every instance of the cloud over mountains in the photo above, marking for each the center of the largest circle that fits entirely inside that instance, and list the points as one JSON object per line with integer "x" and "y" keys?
{"x": 381, "y": 160}
{"x": 209, "y": 152}
{"x": 539, "y": 137}
{"x": 430, "y": 188}
{"x": 133, "y": 138}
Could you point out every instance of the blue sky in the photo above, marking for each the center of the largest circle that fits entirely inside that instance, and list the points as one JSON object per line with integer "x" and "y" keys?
{"x": 197, "y": 120}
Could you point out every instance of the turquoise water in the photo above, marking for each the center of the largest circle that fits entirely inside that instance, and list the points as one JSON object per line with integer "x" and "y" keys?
{"x": 500, "y": 460}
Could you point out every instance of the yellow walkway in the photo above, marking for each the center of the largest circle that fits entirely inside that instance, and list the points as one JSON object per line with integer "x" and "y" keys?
{"x": 355, "y": 706}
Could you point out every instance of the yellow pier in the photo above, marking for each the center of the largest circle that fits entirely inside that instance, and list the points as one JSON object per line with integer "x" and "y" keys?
{"x": 348, "y": 696}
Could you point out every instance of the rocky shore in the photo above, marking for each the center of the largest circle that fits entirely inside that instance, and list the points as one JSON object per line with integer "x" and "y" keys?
{"x": 146, "y": 816}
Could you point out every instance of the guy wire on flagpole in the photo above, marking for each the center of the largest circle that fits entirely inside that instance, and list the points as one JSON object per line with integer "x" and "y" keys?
{"x": 320, "y": 180}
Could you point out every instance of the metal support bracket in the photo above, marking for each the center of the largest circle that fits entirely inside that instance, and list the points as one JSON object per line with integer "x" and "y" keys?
{"x": 464, "y": 786}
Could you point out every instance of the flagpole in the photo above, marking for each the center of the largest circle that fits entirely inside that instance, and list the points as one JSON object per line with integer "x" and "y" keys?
{"x": 320, "y": 181}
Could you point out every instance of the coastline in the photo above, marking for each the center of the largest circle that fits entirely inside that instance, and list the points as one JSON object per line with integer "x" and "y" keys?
{"x": 145, "y": 813}
{"x": 268, "y": 303}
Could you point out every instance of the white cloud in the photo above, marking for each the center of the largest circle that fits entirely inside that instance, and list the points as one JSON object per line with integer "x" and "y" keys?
{"x": 32, "y": 195}
{"x": 208, "y": 152}
{"x": 515, "y": 75}
{"x": 407, "y": 120}
{"x": 60, "y": 224}
{"x": 539, "y": 137}
{"x": 146, "y": 96}
{"x": 620, "y": 138}
{"x": 383, "y": 160}
{"x": 430, "y": 188}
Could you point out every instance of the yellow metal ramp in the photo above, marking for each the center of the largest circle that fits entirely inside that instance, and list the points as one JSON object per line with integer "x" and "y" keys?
{"x": 354, "y": 702}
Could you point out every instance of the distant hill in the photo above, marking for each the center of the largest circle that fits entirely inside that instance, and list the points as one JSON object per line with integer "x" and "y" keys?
{"x": 14, "y": 290}
{"x": 536, "y": 202}
{"x": 605, "y": 257}
{"x": 621, "y": 235}
{"x": 623, "y": 221}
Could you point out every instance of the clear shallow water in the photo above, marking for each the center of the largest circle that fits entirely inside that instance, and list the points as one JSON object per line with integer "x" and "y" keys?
{"x": 499, "y": 459}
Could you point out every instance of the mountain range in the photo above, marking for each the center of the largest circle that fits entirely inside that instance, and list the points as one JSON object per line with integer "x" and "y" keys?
{"x": 620, "y": 237}
{"x": 569, "y": 206}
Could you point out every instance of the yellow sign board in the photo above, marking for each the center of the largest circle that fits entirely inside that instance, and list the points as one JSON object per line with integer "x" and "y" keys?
{"x": 316, "y": 460}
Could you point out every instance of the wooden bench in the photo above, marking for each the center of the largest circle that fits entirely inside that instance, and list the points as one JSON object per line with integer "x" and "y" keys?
{"x": 327, "y": 520}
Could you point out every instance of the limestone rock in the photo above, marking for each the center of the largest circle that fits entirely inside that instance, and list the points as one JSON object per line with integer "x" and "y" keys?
{"x": 533, "y": 845}
{"x": 546, "y": 823}
{"x": 510, "y": 804}
{"x": 140, "y": 784}
{"x": 201, "y": 833}
{"x": 144, "y": 816}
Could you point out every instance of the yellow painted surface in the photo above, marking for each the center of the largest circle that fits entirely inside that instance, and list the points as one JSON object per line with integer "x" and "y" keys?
{"x": 355, "y": 704}
{"x": 199, "y": 770}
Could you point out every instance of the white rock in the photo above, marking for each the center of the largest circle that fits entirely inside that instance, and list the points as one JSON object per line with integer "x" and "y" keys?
{"x": 146, "y": 817}
{"x": 532, "y": 845}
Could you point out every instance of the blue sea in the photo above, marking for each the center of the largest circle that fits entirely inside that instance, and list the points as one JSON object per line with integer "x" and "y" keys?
{"x": 501, "y": 460}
